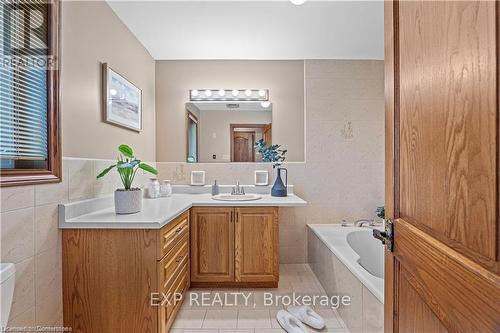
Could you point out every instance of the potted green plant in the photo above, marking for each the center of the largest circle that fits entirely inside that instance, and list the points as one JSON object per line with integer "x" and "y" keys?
{"x": 275, "y": 155}
{"x": 128, "y": 200}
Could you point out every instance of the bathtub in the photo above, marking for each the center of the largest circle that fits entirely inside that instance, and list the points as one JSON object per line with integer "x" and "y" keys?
{"x": 356, "y": 248}
{"x": 348, "y": 260}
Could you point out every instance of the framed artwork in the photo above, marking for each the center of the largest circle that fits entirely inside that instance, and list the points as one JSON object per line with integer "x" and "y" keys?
{"x": 122, "y": 100}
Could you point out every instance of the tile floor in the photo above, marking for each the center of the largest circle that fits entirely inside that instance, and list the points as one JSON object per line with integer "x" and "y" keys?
{"x": 222, "y": 311}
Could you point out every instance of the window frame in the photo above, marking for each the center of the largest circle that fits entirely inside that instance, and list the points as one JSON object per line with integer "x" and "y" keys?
{"x": 53, "y": 174}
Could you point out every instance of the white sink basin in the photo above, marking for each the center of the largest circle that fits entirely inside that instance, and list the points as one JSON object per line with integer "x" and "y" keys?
{"x": 242, "y": 197}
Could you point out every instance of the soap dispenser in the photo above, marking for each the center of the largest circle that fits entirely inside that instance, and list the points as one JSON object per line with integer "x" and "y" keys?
{"x": 215, "y": 188}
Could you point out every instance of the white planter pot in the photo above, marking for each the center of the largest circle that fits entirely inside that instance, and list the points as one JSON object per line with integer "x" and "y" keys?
{"x": 128, "y": 202}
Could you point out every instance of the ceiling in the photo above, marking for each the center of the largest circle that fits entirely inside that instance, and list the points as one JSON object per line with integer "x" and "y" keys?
{"x": 256, "y": 29}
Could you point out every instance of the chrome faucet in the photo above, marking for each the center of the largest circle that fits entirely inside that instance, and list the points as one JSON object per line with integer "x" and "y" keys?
{"x": 360, "y": 223}
{"x": 238, "y": 190}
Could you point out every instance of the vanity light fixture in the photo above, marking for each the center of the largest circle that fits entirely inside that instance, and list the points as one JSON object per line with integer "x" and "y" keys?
{"x": 298, "y": 2}
{"x": 211, "y": 95}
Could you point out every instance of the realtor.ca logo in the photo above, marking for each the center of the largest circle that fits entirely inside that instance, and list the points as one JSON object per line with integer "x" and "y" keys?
{"x": 25, "y": 35}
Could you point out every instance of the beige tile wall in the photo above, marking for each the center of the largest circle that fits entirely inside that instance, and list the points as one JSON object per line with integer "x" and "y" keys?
{"x": 343, "y": 176}
{"x": 30, "y": 238}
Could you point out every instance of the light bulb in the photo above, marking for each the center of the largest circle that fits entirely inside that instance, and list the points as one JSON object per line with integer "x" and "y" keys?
{"x": 298, "y": 2}
{"x": 194, "y": 93}
{"x": 208, "y": 93}
{"x": 265, "y": 104}
{"x": 262, "y": 93}
{"x": 248, "y": 92}
{"x": 112, "y": 92}
{"x": 235, "y": 93}
{"x": 222, "y": 93}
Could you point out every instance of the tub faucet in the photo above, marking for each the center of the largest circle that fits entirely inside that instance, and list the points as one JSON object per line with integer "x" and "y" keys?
{"x": 360, "y": 223}
{"x": 238, "y": 190}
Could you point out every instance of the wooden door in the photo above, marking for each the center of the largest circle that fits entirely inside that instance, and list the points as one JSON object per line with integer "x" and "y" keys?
{"x": 442, "y": 166}
{"x": 267, "y": 134}
{"x": 243, "y": 147}
{"x": 212, "y": 244}
{"x": 256, "y": 244}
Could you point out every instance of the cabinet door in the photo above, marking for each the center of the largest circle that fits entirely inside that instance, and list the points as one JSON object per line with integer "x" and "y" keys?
{"x": 256, "y": 244}
{"x": 212, "y": 244}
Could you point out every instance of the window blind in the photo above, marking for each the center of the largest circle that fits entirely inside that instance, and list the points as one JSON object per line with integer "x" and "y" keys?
{"x": 23, "y": 83}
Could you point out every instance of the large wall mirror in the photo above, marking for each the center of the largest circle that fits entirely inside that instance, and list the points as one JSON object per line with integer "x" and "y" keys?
{"x": 224, "y": 125}
{"x": 214, "y": 111}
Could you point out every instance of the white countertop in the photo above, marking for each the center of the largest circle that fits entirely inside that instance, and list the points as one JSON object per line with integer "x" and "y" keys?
{"x": 100, "y": 214}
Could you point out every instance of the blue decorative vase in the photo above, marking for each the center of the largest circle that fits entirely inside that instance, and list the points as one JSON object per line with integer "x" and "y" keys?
{"x": 279, "y": 189}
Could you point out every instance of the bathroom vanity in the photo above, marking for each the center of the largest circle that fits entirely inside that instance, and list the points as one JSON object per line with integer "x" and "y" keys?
{"x": 234, "y": 247}
{"x": 127, "y": 272}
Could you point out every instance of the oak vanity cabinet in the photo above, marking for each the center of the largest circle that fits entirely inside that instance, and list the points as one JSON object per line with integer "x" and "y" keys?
{"x": 212, "y": 244}
{"x": 112, "y": 276}
{"x": 234, "y": 246}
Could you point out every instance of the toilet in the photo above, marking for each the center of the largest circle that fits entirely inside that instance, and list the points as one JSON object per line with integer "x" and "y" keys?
{"x": 7, "y": 278}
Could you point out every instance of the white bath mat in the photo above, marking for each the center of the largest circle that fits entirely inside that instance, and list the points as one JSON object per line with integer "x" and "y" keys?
{"x": 308, "y": 316}
{"x": 289, "y": 323}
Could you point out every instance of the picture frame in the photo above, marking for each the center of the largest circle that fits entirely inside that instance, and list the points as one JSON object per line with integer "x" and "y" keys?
{"x": 121, "y": 100}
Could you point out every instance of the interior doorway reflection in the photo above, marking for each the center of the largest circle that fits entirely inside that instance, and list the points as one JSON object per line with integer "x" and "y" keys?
{"x": 243, "y": 138}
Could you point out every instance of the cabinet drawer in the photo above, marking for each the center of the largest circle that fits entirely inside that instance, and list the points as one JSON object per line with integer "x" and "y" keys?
{"x": 173, "y": 262}
{"x": 172, "y": 233}
{"x": 179, "y": 287}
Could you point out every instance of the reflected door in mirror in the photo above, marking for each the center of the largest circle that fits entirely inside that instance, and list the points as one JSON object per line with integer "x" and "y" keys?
{"x": 243, "y": 147}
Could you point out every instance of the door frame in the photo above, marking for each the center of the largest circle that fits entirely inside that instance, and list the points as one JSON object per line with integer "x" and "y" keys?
{"x": 189, "y": 114}
{"x": 231, "y": 137}
{"x": 391, "y": 162}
